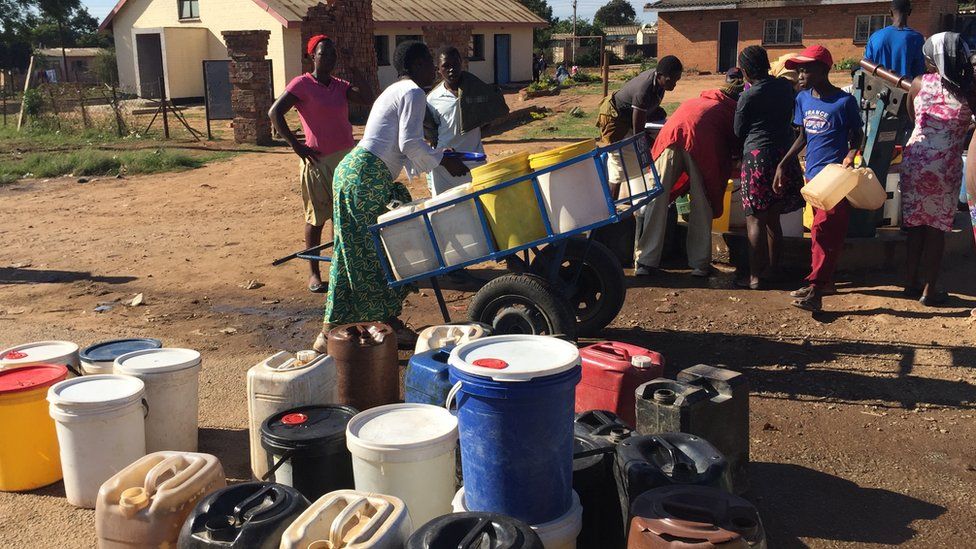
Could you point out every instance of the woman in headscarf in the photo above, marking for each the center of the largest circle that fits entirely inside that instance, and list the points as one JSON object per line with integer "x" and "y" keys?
{"x": 764, "y": 123}
{"x": 364, "y": 185}
{"x": 941, "y": 103}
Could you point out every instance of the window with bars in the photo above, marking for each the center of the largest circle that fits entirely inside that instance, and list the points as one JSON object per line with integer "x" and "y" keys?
{"x": 189, "y": 9}
{"x": 866, "y": 25}
{"x": 476, "y": 48}
{"x": 783, "y": 31}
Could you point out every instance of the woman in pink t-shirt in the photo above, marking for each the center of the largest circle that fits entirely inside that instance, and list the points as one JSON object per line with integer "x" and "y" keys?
{"x": 322, "y": 102}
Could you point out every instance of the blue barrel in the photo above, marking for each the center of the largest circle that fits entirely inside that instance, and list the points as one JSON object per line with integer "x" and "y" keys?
{"x": 427, "y": 380}
{"x": 515, "y": 401}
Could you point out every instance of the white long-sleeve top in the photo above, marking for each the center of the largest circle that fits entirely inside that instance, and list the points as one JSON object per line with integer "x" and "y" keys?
{"x": 395, "y": 130}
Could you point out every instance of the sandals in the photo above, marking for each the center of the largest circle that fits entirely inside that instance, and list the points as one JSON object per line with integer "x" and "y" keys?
{"x": 935, "y": 299}
{"x": 812, "y": 302}
{"x": 320, "y": 288}
{"x": 806, "y": 290}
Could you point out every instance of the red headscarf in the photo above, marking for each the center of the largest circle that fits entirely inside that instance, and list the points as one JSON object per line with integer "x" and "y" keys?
{"x": 314, "y": 41}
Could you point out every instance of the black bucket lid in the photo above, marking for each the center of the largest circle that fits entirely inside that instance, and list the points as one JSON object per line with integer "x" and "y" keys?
{"x": 242, "y": 512}
{"x": 307, "y": 427}
{"x": 108, "y": 351}
{"x": 474, "y": 531}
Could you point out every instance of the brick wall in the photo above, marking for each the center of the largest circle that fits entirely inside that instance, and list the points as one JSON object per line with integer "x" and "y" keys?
{"x": 350, "y": 24}
{"x": 250, "y": 78}
{"x": 458, "y": 36}
{"x": 693, "y": 35}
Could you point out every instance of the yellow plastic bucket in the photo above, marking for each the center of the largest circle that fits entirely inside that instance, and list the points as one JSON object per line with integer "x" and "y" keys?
{"x": 513, "y": 212}
{"x": 552, "y": 157}
{"x": 721, "y": 224}
{"x": 29, "y": 455}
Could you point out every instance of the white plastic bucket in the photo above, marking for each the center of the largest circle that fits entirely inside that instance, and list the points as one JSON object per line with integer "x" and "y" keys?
{"x": 406, "y": 451}
{"x": 172, "y": 378}
{"x": 282, "y": 382}
{"x": 42, "y": 352}
{"x": 407, "y": 243}
{"x": 101, "y": 430}
{"x": 557, "y": 534}
{"x": 573, "y": 196}
{"x": 460, "y": 235}
{"x": 348, "y": 518}
{"x": 100, "y": 357}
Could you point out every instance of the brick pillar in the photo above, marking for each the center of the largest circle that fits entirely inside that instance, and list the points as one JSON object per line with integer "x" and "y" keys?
{"x": 350, "y": 25}
{"x": 250, "y": 79}
{"x": 458, "y": 36}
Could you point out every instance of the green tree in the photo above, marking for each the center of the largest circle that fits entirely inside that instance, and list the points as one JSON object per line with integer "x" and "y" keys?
{"x": 615, "y": 13}
{"x": 540, "y": 36}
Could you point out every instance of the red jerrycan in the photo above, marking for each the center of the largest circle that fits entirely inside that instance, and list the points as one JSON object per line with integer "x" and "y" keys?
{"x": 612, "y": 371}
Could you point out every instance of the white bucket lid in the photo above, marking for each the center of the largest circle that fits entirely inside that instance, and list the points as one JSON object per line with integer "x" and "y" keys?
{"x": 98, "y": 393}
{"x": 402, "y": 433}
{"x": 403, "y": 210}
{"x": 449, "y": 194}
{"x": 515, "y": 357}
{"x": 157, "y": 361}
{"x": 37, "y": 352}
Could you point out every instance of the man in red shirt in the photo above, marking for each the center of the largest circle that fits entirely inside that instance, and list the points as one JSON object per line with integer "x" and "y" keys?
{"x": 322, "y": 102}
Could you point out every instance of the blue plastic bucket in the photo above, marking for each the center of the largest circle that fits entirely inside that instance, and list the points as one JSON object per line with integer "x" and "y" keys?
{"x": 515, "y": 405}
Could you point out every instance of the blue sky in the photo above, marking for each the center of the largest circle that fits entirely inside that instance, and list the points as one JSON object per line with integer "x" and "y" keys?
{"x": 562, "y": 8}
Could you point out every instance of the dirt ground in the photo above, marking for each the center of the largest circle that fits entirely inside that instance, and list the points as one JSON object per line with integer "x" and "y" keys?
{"x": 862, "y": 424}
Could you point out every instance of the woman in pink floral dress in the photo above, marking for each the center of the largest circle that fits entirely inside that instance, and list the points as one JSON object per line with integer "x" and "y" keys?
{"x": 940, "y": 102}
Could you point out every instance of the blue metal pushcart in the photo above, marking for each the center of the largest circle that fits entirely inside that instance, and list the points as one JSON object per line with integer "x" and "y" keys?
{"x": 562, "y": 283}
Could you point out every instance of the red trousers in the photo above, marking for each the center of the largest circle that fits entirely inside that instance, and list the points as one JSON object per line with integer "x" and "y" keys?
{"x": 827, "y": 240}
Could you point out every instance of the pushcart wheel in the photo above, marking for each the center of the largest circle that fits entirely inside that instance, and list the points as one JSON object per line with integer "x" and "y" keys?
{"x": 522, "y": 304}
{"x": 593, "y": 285}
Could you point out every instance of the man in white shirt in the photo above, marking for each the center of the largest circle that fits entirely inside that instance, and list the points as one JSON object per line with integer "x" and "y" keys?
{"x": 446, "y": 132}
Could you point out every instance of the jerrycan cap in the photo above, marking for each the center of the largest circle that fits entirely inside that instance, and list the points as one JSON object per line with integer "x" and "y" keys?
{"x": 641, "y": 362}
{"x": 304, "y": 357}
{"x": 133, "y": 500}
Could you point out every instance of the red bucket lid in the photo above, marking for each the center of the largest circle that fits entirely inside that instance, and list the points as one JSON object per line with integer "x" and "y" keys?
{"x": 38, "y": 376}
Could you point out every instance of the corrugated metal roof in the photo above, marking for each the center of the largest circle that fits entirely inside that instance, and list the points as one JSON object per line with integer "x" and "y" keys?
{"x": 624, "y": 30}
{"x": 425, "y": 11}
{"x": 290, "y": 12}
{"x": 689, "y": 5}
{"x": 70, "y": 52}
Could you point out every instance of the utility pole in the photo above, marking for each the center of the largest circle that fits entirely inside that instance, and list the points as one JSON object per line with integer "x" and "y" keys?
{"x": 574, "y": 32}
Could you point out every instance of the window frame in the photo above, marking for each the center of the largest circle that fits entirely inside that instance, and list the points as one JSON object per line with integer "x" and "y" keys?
{"x": 473, "y": 50}
{"x": 384, "y": 59}
{"x": 401, "y": 38}
{"x": 885, "y": 21}
{"x": 789, "y": 25}
{"x": 191, "y": 4}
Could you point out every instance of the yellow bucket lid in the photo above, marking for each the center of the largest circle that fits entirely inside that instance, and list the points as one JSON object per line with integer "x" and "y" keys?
{"x": 500, "y": 170}
{"x": 552, "y": 157}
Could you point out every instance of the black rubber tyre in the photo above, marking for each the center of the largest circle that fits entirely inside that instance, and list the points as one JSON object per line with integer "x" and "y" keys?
{"x": 523, "y": 304}
{"x": 598, "y": 295}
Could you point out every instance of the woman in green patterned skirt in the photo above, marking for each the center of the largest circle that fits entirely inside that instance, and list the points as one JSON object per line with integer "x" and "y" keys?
{"x": 364, "y": 184}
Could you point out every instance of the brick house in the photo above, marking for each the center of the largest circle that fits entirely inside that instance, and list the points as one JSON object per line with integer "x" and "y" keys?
{"x": 708, "y": 34}
{"x": 169, "y": 40}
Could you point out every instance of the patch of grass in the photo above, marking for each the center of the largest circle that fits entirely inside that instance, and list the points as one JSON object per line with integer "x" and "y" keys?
{"x": 595, "y": 88}
{"x": 564, "y": 125}
{"x": 91, "y": 162}
{"x": 34, "y": 137}
{"x": 671, "y": 107}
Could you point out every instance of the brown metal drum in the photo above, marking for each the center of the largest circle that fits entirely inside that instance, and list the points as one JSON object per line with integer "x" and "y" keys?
{"x": 367, "y": 366}
{"x": 694, "y": 517}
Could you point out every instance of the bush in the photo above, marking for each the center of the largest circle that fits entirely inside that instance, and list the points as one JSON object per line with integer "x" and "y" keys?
{"x": 545, "y": 83}
{"x": 583, "y": 77}
{"x": 648, "y": 64}
{"x": 633, "y": 59}
{"x": 591, "y": 58}
{"x": 106, "y": 68}
{"x": 846, "y": 64}
{"x": 33, "y": 103}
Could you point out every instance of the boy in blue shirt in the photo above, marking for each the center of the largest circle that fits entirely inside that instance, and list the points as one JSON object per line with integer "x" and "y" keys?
{"x": 898, "y": 47}
{"x": 831, "y": 122}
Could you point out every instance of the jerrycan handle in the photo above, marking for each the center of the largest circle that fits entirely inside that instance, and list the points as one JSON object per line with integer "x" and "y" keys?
{"x": 255, "y": 501}
{"x": 172, "y": 464}
{"x": 343, "y": 518}
{"x": 451, "y": 395}
{"x": 679, "y": 463}
{"x": 473, "y": 539}
{"x": 610, "y": 351}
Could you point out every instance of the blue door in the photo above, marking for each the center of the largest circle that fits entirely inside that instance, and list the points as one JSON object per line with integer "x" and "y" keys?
{"x": 503, "y": 58}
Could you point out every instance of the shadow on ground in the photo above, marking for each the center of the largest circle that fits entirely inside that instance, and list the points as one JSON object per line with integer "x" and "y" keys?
{"x": 810, "y": 504}
{"x": 12, "y": 275}
{"x": 830, "y": 380}
{"x": 231, "y": 446}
